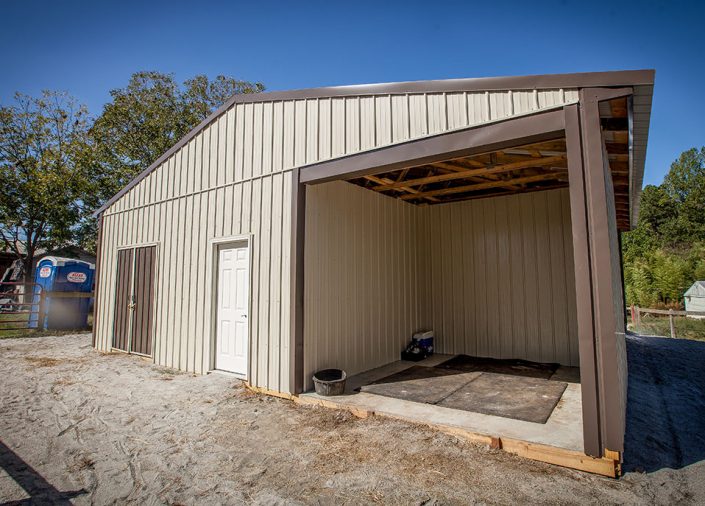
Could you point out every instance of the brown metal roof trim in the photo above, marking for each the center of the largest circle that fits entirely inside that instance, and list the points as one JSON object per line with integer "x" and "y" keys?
{"x": 536, "y": 127}
{"x": 548, "y": 81}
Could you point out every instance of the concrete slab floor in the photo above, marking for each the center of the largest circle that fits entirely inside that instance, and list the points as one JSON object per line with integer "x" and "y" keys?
{"x": 563, "y": 428}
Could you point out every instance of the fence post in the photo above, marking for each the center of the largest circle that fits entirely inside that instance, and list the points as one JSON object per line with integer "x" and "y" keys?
{"x": 42, "y": 306}
{"x": 632, "y": 312}
{"x": 670, "y": 321}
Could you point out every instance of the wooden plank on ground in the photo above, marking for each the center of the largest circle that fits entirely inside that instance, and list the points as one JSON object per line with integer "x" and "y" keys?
{"x": 573, "y": 459}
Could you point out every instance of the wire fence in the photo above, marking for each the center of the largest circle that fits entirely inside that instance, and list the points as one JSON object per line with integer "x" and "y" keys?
{"x": 23, "y": 307}
{"x": 667, "y": 322}
{"x": 21, "y": 302}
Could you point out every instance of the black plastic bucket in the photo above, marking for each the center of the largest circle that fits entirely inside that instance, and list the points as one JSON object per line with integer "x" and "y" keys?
{"x": 329, "y": 382}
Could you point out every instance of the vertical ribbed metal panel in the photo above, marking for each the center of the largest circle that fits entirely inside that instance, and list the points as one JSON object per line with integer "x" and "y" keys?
{"x": 234, "y": 178}
{"x": 501, "y": 277}
{"x": 360, "y": 282}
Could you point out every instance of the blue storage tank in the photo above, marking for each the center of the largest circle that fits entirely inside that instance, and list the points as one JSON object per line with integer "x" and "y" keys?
{"x": 56, "y": 274}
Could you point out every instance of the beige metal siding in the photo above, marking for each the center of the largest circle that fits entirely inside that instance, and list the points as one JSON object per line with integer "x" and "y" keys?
{"x": 234, "y": 177}
{"x": 360, "y": 289}
{"x": 499, "y": 277}
{"x": 250, "y": 140}
{"x": 182, "y": 299}
{"x": 619, "y": 304}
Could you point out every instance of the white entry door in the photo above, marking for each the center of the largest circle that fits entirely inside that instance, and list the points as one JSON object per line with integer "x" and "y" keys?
{"x": 231, "y": 347}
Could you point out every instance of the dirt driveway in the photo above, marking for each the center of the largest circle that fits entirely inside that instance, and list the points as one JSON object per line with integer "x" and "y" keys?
{"x": 80, "y": 426}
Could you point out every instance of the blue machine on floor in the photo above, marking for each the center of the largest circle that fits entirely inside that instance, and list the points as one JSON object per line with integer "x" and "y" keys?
{"x": 56, "y": 274}
{"x": 420, "y": 347}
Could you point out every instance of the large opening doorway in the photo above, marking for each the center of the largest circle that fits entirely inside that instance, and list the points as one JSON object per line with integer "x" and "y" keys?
{"x": 477, "y": 248}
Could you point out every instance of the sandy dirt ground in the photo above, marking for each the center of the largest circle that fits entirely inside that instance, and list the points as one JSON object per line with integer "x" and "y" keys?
{"x": 83, "y": 427}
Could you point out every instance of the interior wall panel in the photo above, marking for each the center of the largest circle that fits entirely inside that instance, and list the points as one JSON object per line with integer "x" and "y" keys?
{"x": 501, "y": 277}
{"x": 359, "y": 278}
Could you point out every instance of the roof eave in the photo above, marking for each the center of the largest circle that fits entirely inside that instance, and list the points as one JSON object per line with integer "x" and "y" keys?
{"x": 546, "y": 81}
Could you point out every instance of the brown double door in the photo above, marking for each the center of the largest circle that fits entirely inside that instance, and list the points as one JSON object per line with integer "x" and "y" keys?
{"x": 134, "y": 300}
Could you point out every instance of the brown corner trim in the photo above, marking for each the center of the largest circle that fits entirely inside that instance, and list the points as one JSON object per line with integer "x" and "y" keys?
{"x": 548, "y": 81}
{"x": 541, "y": 126}
{"x": 96, "y": 290}
{"x": 592, "y": 439}
{"x": 600, "y": 222}
{"x": 298, "y": 225}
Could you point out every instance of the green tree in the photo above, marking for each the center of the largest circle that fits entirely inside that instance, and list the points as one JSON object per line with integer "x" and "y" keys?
{"x": 696, "y": 257}
{"x": 201, "y": 97}
{"x": 657, "y": 211}
{"x": 665, "y": 253}
{"x": 639, "y": 283}
{"x": 45, "y": 153}
{"x": 685, "y": 186}
{"x": 144, "y": 119}
{"x": 670, "y": 275}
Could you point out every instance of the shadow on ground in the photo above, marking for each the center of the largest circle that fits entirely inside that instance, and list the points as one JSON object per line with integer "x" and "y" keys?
{"x": 40, "y": 491}
{"x": 666, "y": 403}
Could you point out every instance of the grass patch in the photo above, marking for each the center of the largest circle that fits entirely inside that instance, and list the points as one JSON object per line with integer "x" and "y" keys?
{"x": 656, "y": 325}
{"x": 8, "y": 328}
{"x": 42, "y": 361}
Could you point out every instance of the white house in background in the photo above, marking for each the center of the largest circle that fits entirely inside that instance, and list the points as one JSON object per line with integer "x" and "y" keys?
{"x": 695, "y": 298}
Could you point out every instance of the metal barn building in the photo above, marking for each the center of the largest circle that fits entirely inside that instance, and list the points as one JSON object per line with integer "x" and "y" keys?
{"x": 295, "y": 231}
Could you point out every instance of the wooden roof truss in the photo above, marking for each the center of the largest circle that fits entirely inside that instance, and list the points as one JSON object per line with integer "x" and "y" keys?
{"x": 527, "y": 168}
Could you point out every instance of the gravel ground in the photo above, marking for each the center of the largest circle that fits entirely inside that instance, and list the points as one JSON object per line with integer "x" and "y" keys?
{"x": 83, "y": 427}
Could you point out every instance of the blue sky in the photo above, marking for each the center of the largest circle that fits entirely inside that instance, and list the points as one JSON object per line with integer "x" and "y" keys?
{"x": 88, "y": 48}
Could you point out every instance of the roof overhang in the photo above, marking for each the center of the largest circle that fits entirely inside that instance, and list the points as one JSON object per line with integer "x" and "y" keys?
{"x": 537, "y": 127}
{"x": 640, "y": 108}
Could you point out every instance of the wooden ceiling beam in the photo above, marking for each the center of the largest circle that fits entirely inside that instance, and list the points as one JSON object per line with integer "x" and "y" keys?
{"x": 483, "y": 186}
{"x": 618, "y": 108}
{"x": 457, "y": 169}
{"x": 412, "y": 191}
{"x": 402, "y": 174}
{"x": 468, "y": 173}
{"x": 618, "y": 149}
{"x": 615, "y": 124}
{"x": 503, "y": 193}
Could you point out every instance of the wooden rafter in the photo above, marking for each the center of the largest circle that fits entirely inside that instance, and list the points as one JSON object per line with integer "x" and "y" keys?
{"x": 412, "y": 191}
{"x": 503, "y": 193}
{"x": 460, "y": 166}
{"x": 482, "y": 186}
{"x": 618, "y": 108}
{"x": 402, "y": 174}
{"x": 465, "y": 173}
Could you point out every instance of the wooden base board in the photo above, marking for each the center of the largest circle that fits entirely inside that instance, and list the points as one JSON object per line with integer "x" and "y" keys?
{"x": 273, "y": 393}
{"x": 609, "y": 466}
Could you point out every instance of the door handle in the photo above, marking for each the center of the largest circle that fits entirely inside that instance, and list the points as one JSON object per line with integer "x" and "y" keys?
{"x": 244, "y": 316}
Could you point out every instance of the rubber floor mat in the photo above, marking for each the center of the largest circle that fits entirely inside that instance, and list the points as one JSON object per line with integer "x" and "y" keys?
{"x": 521, "y": 398}
{"x": 515, "y": 367}
{"x": 429, "y": 385}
